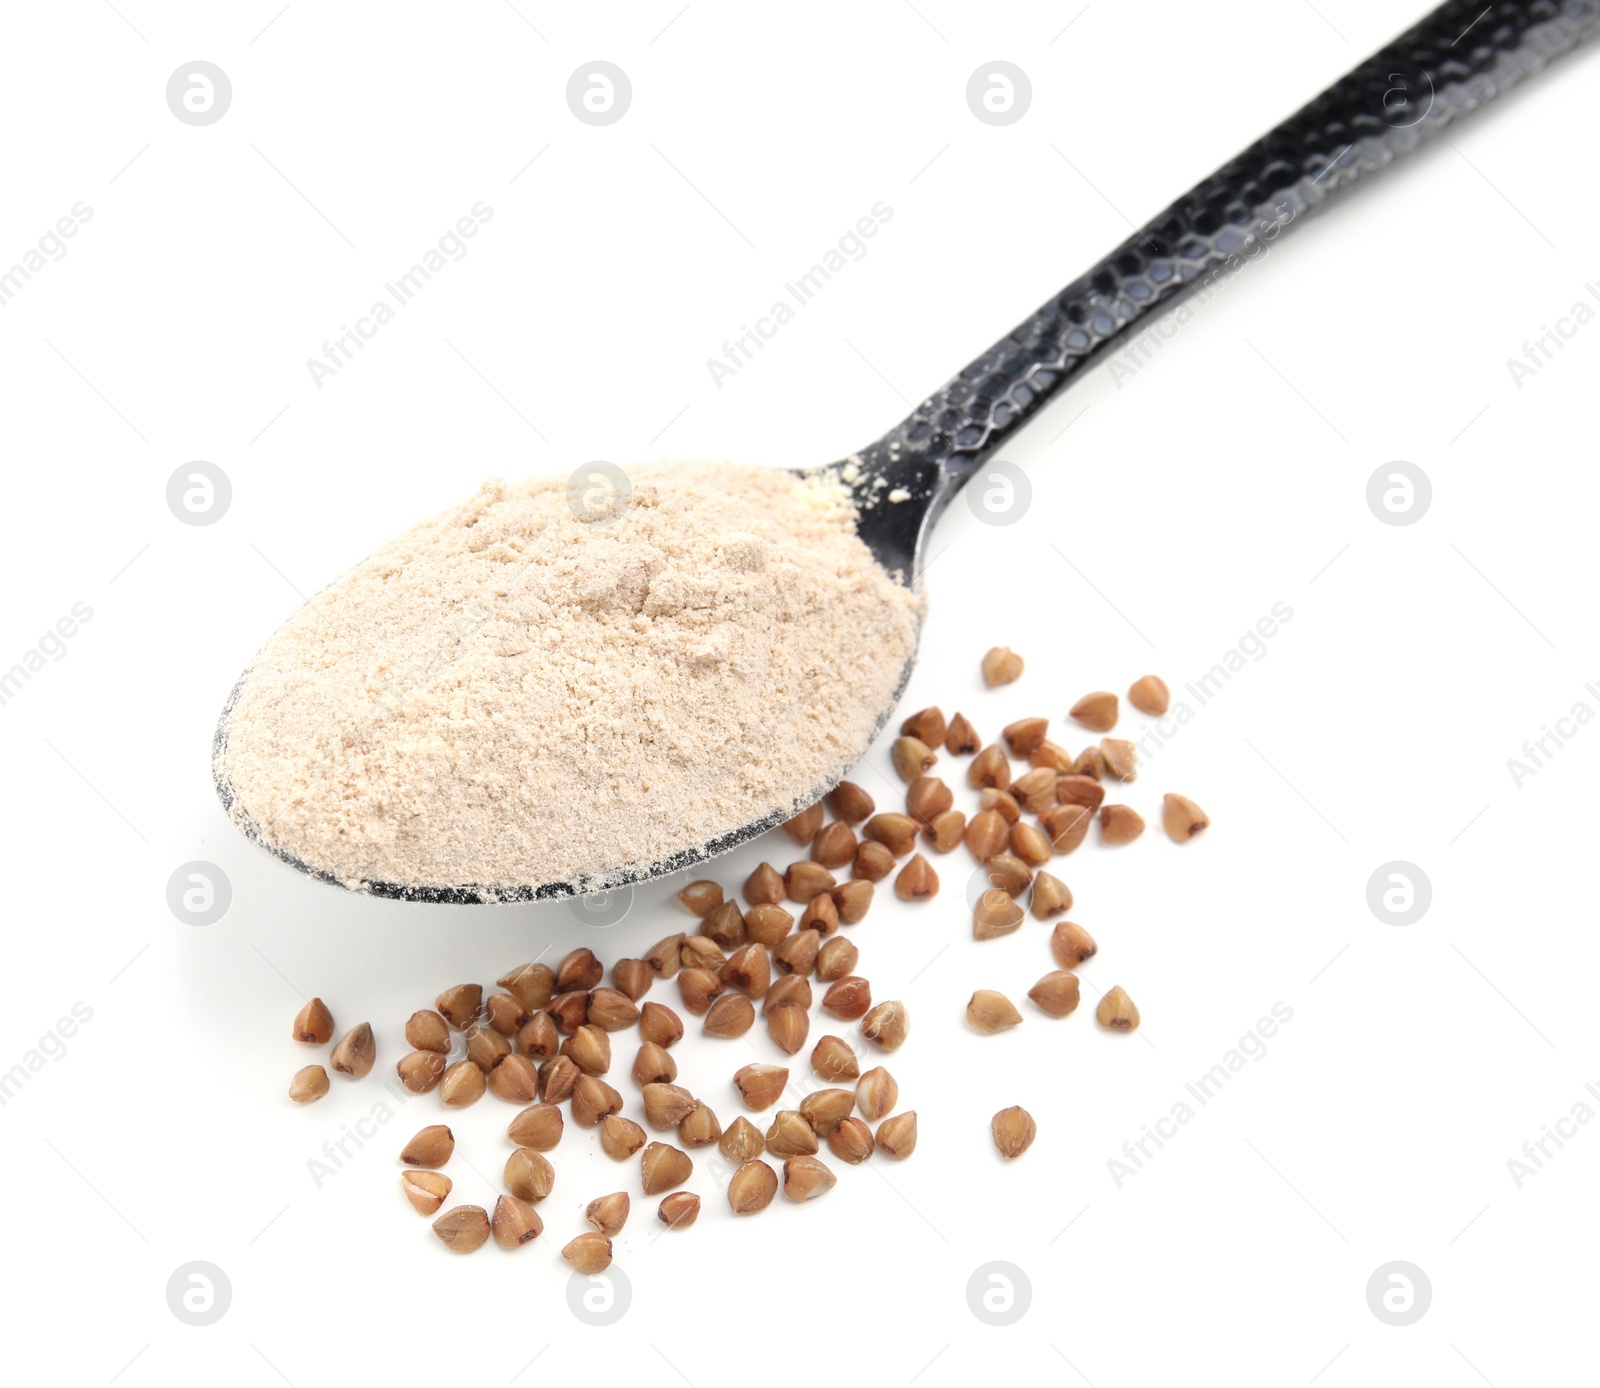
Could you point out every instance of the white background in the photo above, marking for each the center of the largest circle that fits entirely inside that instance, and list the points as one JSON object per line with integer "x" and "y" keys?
{"x": 1227, "y": 475}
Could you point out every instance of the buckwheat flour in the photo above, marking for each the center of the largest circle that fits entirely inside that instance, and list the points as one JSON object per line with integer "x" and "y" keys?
{"x": 507, "y": 695}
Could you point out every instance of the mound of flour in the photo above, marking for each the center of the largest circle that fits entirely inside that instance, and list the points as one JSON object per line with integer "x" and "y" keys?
{"x": 511, "y": 695}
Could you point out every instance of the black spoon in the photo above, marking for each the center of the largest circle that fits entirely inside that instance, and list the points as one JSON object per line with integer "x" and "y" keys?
{"x": 1460, "y": 56}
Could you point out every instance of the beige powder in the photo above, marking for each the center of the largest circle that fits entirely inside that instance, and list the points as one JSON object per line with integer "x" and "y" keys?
{"x": 508, "y": 696}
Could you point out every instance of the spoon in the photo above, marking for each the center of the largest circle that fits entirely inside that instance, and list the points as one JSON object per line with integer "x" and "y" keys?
{"x": 1460, "y": 56}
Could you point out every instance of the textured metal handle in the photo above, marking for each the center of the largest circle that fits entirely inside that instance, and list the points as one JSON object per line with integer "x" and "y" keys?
{"x": 1463, "y": 54}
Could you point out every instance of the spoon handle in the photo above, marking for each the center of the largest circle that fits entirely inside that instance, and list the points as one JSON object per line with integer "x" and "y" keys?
{"x": 1459, "y": 57}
